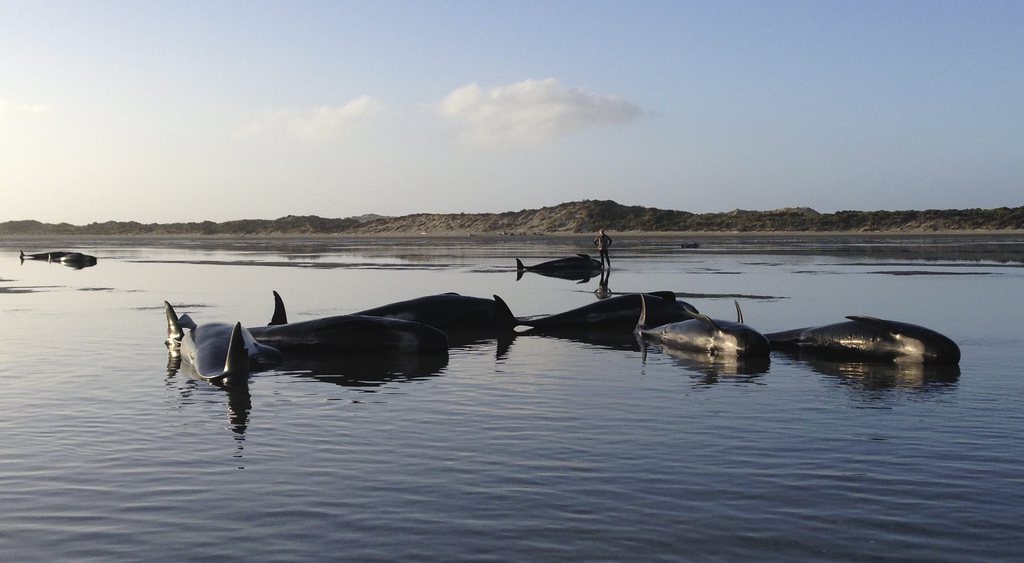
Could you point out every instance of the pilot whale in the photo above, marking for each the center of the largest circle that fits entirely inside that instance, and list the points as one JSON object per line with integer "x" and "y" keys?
{"x": 218, "y": 352}
{"x": 348, "y": 334}
{"x": 448, "y": 310}
{"x": 573, "y": 267}
{"x": 871, "y": 338}
{"x": 48, "y": 256}
{"x": 78, "y": 260}
{"x": 704, "y": 334}
{"x": 620, "y": 311}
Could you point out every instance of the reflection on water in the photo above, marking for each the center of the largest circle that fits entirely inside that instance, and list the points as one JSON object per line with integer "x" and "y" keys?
{"x": 603, "y": 291}
{"x": 368, "y": 371}
{"x": 622, "y": 340}
{"x": 883, "y": 375}
{"x": 239, "y": 400}
{"x": 503, "y": 338}
{"x": 714, "y": 366}
{"x": 522, "y": 445}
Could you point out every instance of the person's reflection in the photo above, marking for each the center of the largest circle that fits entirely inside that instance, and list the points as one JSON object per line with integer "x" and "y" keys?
{"x": 602, "y": 291}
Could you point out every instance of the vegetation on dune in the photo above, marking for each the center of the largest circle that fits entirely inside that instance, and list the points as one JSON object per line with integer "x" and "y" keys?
{"x": 573, "y": 217}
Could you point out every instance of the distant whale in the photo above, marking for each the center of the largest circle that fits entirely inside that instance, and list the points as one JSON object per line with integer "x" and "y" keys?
{"x": 218, "y": 352}
{"x": 872, "y": 338}
{"x": 73, "y": 259}
{"x": 620, "y": 311}
{"x": 48, "y": 256}
{"x": 349, "y": 334}
{"x": 448, "y": 311}
{"x": 573, "y": 267}
{"x": 78, "y": 260}
{"x": 704, "y": 334}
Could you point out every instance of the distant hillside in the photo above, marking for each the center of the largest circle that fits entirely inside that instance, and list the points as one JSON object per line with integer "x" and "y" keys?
{"x": 574, "y": 217}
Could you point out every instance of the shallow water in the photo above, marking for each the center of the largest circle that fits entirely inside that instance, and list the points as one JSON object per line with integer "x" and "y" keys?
{"x": 538, "y": 448}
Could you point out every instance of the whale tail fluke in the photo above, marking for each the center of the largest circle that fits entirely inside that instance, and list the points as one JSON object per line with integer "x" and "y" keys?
{"x": 519, "y": 265}
{"x": 280, "y": 315}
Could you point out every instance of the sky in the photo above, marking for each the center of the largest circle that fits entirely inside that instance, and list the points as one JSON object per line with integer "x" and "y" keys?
{"x": 186, "y": 110}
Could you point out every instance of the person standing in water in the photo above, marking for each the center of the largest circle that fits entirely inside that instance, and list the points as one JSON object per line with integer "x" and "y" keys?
{"x": 602, "y": 242}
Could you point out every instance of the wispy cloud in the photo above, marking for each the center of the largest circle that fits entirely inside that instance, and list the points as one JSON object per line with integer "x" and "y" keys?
{"x": 317, "y": 125}
{"x": 10, "y": 111}
{"x": 531, "y": 112}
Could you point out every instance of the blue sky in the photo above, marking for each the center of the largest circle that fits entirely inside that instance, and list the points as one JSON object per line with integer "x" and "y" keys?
{"x": 187, "y": 111}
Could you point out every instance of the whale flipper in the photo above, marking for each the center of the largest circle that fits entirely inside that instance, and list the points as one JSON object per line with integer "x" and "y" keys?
{"x": 641, "y": 323}
{"x": 708, "y": 321}
{"x": 174, "y": 332}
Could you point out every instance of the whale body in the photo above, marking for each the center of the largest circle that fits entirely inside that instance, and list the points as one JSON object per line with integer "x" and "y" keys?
{"x": 704, "y": 334}
{"x": 448, "y": 310}
{"x": 620, "y": 311}
{"x": 581, "y": 266}
{"x": 871, "y": 338}
{"x": 48, "y": 256}
{"x": 218, "y": 352}
{"x": 348, "y": 334}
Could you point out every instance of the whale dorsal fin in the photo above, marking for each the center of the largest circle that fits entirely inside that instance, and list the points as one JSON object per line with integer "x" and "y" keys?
{"x": 502, "y": 313}
{"x": 874, "y": 321}
{"x": 739, "y": 312}
{"x": 280, "y": 315}
{"x": 666, "y": 295}
{"x": 584, "y": 256}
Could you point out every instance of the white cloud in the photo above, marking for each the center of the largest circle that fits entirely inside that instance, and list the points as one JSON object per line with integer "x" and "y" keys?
{"x": 532, "y": 111}
{"x": 10, "y": 111}
{"x": 317, "y": 125}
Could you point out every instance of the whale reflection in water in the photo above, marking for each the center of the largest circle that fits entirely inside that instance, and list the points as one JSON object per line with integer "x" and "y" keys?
{"x": 366, "y": 370}
{"x": 711, "y": 368}
{"x": 879, "y": 375}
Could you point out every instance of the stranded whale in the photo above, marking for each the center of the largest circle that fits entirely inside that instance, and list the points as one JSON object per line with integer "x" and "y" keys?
{"x": 448, "y": 310}
{"x": 872, "y": 338}
{"x": 349, "y": 334}
{"x": 620, "y": 311}
{"x": 219, "y": 352}
{"x": 704, "y": 334}
{"x": 581, "y": 266}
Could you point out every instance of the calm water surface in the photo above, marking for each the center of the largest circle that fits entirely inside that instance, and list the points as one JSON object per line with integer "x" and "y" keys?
{"x": 515, "y": 449}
